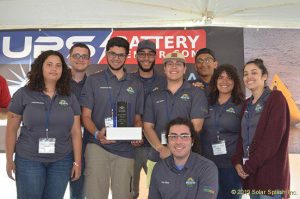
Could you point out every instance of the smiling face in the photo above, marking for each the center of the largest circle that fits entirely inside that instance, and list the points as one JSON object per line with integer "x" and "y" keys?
{"x": 205, "y": 65}
{"x": 52, "y": 69}
{"x": 79, "y": 59}
{"x": 180, "y": 143}
{"x": 116, "y": 57}
{"x": 146, "y": 59}
{"x": 174, "y": 70}
{"x": 225, "y": 84}
{"x": 253, "y": 77}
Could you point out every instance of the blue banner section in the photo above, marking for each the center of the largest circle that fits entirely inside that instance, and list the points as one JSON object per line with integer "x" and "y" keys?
{"x": 22, "y": 47}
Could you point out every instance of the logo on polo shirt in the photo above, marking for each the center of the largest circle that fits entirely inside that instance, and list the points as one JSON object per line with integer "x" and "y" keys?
{"x": 190, "y": 182}
{"x": 37, "y": 102}
{"x": 155, "y": 88}
{"x": 63, "y": 103}
{"x": 185, "y": 97}
{"x": 159, "y": 101}
{"x": 230, "y": 110}
{"x": 258, "y": 108}
{"x": 130, "y": 90}
{"x": 208, "y": 189}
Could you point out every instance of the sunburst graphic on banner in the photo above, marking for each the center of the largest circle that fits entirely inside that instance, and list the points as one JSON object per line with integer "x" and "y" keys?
{"x": 20, "y": 79}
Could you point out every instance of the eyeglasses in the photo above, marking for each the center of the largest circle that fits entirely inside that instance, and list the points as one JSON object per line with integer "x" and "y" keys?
{"x": 172, "y": 64}
{"x": 142, "y": 55}
{"x": 78, "y": 56}
{"x": 207, "y": 60}
{"x": 183, "y": 136}
{"x": 113, "y": 55}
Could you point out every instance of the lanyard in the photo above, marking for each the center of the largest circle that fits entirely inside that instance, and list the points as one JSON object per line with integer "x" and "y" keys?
{"x": 112, "y": 102}
{"x": 217, "y": 116}
{"x": 48, "y": 112}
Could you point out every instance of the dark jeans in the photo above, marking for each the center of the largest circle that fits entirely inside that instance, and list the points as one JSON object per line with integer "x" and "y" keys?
{"x": 228, "y": 180}
{"x": 40, "y": 180}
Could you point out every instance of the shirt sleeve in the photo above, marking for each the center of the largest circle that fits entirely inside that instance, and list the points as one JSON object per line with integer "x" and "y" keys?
{"x": 149, "y": 110}
{"x": 17, "y": 104}
{"x": 139, "y": 107}
{"x": 4, "y": 93}
{"x": 87, "y": 94}
{"x": 153, "y": 189}
{"x": 199, "y": 104}
{"x": 208, "y": 183}
{"x": 75, "y": 105}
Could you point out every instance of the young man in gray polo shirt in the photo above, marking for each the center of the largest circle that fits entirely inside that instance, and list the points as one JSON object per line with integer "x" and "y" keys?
{"x": 110, "y": 162}
{"x": 79, "y": 60}
{"x": 152, "y": 81}
{"x": 178, "y": 99}
{"x": 184, "y": 174}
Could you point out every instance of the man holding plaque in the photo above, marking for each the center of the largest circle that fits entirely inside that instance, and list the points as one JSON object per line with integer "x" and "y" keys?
{"x": 112, "y": 100}
{"x": 152, "y": 81}
{"x": 178, "y": 99}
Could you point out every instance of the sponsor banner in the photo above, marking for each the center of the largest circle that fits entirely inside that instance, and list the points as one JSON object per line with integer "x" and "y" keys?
{"x": 21, "y": 47}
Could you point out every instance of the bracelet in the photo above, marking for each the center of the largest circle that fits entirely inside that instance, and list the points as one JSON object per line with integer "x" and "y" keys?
{"x": 76, "y": 164}
{"x": 96, "y": 134}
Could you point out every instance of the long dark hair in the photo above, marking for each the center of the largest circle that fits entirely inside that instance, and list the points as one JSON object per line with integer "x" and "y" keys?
{"x": 237, "y": 93}
{"x": 183, "y": 121}
{"x": 36, "y": 79}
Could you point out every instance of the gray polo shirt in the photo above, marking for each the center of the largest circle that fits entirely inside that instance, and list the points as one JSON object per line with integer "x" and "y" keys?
{"x": 197, "y": 180}
{"x": 76, "y": 87}
{"x": 163, "y": 106}
{"x": 34, "y": 106}
{"x": 100, "y": 94}
{"x": 251, "y": 117}
{"x": 156, "y": 82}
{"x": 223, "y": 121}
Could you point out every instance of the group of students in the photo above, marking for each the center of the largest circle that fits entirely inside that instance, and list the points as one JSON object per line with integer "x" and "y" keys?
{"x": 202, "y": 138}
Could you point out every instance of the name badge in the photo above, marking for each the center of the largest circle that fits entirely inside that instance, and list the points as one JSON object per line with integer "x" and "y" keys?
{"x": 47, "y": 145}
{"x": 245, "y": 159}
{"x": 219, "y": 148}
{"x": 163, "y": 138}
{"x": 109, "y": 122}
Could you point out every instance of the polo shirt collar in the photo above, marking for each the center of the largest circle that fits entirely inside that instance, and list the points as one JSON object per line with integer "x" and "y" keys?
{"x": 110, "y": 75}
{"x": 185, "y": 85}
{"x": 189, "y": 163}
{"x": 80, "y": 82}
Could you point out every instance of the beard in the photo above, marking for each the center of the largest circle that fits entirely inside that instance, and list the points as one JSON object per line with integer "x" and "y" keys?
{"x": 146, "y": 69}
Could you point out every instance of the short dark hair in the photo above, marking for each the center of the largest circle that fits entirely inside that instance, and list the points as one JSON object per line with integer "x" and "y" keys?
{"x": 189, "y": 124}
{"x": 260, "y": 64}
{"x": 237, "y": 92}
{"x": 80, "y": 45}
{"x": 36, "y": 78}
{"x": 205, "y": 51}
{"x": 119, "y": 42}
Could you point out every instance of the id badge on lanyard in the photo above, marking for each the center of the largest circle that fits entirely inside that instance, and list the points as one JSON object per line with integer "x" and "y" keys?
{"x": 47, "y": 145}
{"x": 245, "y": 158}
{"x": 219, "y": 147}
{"x": 163, "y": 138}
{"x": 109, "y": 121}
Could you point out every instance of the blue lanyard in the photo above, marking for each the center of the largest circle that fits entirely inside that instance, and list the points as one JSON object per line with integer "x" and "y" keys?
{"x": 217, "y": 116}
{"x": 48, "y": 112}
{"x": 112, "y": 103}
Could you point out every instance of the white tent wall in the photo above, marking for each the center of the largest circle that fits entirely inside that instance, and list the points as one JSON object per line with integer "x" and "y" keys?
{"x": 23, "y": 14}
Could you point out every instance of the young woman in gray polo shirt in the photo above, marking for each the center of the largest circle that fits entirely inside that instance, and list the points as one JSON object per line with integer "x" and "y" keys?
{"x": 222, "y": 127}
{"x": 50, "y": 131}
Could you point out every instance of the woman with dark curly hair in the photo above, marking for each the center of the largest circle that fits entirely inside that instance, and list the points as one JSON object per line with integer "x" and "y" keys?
{"x": 221, "y": 127}
{"x": 50, "y": 131}
{"x": 261, "y": 157}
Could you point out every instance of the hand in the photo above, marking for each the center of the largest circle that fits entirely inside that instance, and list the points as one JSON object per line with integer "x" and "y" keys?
{"x": 76, "y": 172}
{"x": 102, "y": 138}
{"x": 199, "y": 85}
{"x": 239, "y": 169}
{"x": 137, "y": 143}
{"x": 10, "y": 169}
{"x": 164, "y": 152}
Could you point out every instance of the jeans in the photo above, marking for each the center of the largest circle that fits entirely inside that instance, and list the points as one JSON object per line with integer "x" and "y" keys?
{"x": 228, "y": 180}
{"x": 278, "y": 196}
{"x": 42, "y": 180}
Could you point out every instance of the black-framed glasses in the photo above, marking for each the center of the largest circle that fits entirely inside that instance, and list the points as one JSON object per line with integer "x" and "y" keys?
{"x": 78, "y": 56}
{"x": 142, "y": 55}
{"x": 113, "y": 55}
{"x": 183, "y": 136}
{"x": 207, "y": 60}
